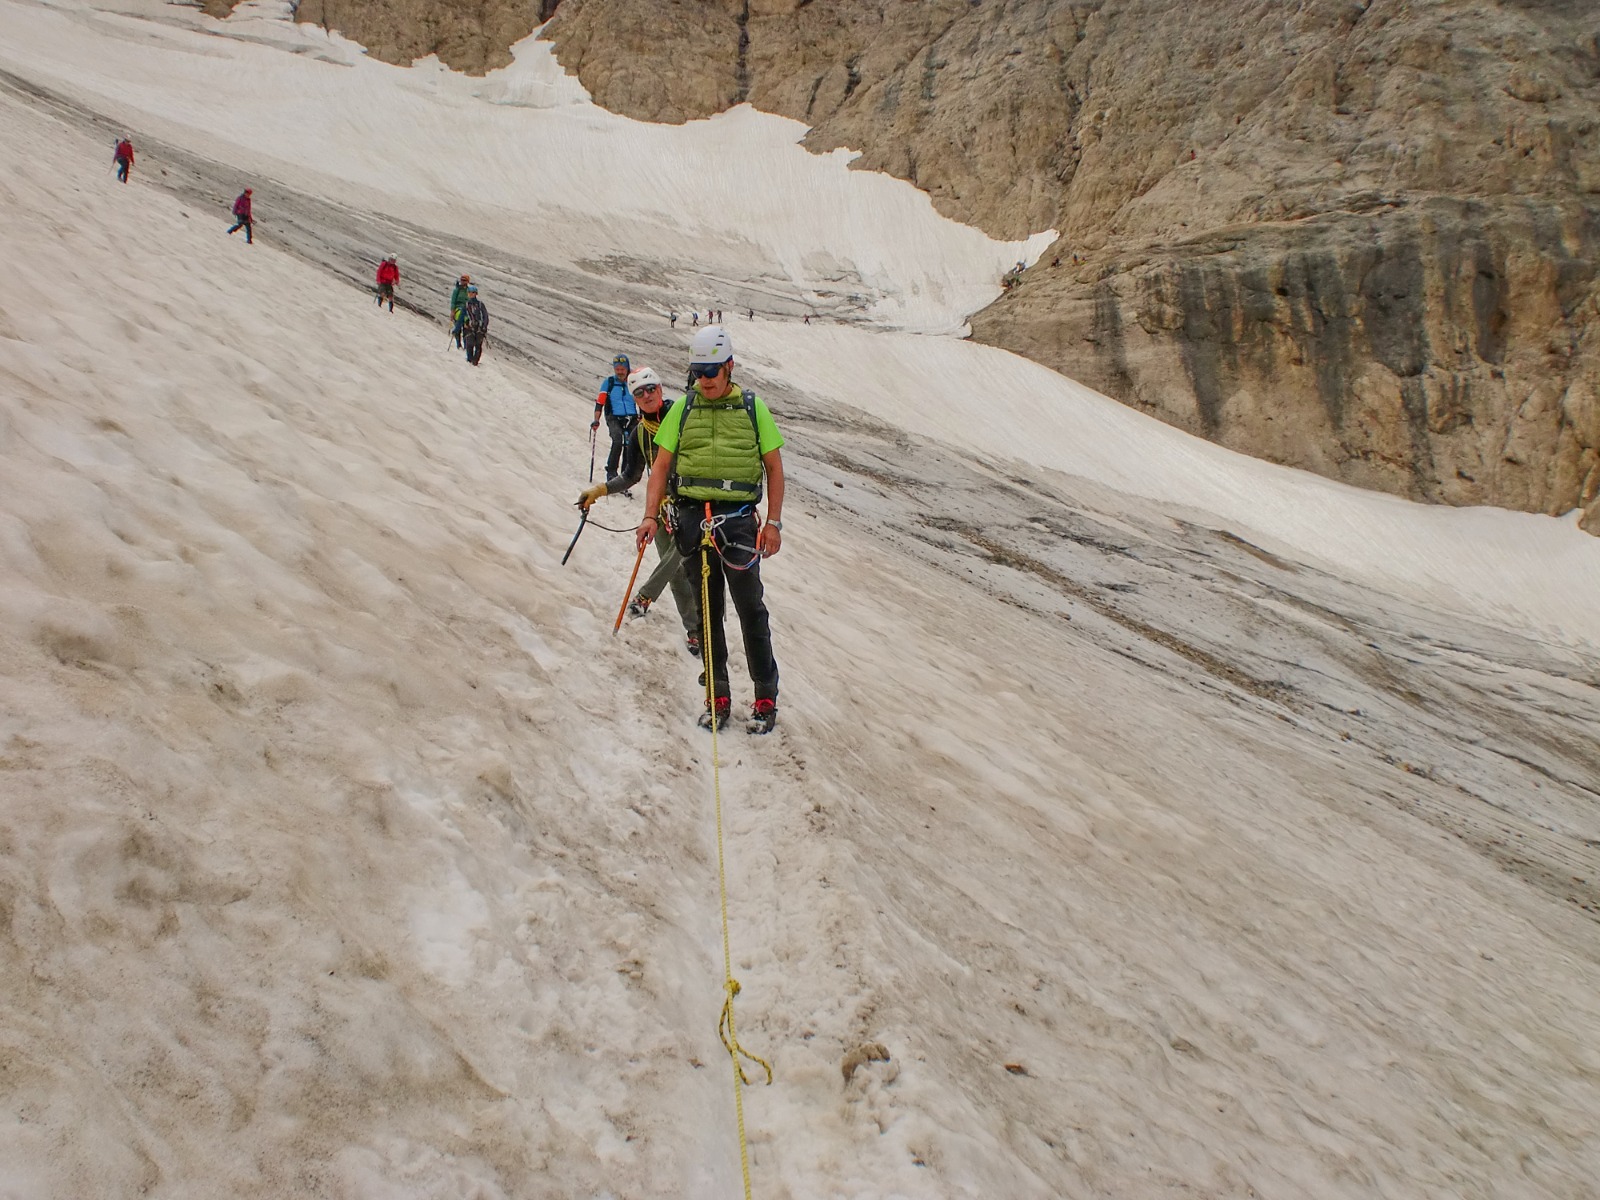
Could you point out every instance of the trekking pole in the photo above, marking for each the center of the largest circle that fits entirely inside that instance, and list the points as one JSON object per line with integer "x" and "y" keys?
{"x": 575, "y": 537}
{"x": 593, "y": 430}
{"x": 629, "y": 592}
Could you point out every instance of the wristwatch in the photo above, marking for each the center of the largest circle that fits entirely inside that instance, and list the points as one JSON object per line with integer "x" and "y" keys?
{"x": 778, "y": 525}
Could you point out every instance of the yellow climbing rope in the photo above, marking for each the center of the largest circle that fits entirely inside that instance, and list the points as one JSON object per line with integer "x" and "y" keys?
{"x": 730, "y": 985}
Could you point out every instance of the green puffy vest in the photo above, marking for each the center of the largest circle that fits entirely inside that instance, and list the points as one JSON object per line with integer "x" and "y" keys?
{"x": 719, "y": 456}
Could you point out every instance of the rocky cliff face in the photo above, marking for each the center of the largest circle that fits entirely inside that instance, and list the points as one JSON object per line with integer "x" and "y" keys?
{"x": 472, "y": 36}
{"x": 1356, "y": 236}
{"x": 1368, "y": 246}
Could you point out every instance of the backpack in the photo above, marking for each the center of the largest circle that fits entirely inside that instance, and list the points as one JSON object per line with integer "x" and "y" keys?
{"x": 611, "y": 385}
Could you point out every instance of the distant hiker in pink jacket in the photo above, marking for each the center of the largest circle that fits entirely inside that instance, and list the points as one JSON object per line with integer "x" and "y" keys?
{"x": 242, "y": 219}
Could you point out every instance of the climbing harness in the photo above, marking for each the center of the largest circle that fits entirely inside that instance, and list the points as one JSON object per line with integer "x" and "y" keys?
{"x": 730, "y": 985}
{"x": 714, "y": 523}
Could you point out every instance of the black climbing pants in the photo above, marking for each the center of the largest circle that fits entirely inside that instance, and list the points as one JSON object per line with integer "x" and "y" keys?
{"x": 618, "y": 461}
{"x": 736, "y": 543}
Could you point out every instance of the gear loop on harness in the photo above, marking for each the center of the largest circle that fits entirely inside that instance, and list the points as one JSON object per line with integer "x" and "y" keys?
{"x": 710, "y": 526}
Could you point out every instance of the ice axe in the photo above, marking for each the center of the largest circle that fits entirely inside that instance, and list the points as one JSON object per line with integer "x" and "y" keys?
{"x": 584, "y": 521}
{"x": 629, "y": 592}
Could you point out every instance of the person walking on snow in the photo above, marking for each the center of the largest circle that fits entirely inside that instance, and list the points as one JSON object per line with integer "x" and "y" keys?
{"x": 615, "y": 404}
{"x": 712, "y": 452}
{"x": 458, "y": 307}
{"x": 123, "y": 157}
{"x": 242, "y": 218}
{"x": 474, "y": 325}
{"x": 388, "y": 279}
{"x": 653, "y": 406}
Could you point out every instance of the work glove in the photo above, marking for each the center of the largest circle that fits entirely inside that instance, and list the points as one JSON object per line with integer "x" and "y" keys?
{"x": 590, "y": 494}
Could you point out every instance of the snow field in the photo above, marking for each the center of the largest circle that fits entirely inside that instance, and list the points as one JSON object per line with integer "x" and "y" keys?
{"x": 347, "y": 853}
{"x": 463, "y": 153}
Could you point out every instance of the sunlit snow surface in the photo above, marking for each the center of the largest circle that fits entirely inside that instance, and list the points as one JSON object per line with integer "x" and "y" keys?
{"x": 344, "y": 852}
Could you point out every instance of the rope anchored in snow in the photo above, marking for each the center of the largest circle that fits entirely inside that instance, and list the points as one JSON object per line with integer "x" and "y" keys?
{"x": 731, "y": 1042}
{"x": 730, "y": 985}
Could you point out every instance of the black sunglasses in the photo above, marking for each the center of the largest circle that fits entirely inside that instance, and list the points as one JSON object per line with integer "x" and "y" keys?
{"x": 705, "y": 370}
{"x": 649, "y": 387}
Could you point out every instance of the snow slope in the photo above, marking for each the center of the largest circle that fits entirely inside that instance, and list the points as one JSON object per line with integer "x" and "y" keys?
{"x": 523, "y": 159}
{"x": 346, "y": 853}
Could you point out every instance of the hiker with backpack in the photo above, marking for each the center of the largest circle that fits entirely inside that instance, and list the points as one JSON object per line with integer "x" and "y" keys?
{"x": 458, "y": 307}
{"x": 388, "y": 280}
{"x": 242, "y": 216}
{"x": 653, "y": 406}
{"x": 712, "y": 452}
{"x": 615, "y": 404}
{"x": 474, "y": 325}
{"x": 123, "y": 157}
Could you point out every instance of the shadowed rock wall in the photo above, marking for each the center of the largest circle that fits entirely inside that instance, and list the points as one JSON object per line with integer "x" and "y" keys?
{"x": 1442, "y": 350}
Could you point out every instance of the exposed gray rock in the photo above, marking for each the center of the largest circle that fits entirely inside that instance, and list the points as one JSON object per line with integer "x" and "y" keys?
{"x": 1442, "y": 349}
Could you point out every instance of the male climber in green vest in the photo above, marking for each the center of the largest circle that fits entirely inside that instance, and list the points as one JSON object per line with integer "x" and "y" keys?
{"x": 712, "y": 452}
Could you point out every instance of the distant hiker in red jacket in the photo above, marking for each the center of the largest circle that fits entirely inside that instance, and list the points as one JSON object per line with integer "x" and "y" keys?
{"x": 123, "y": 156}
{"x": 241, "y": 215}
{"x": 388, "y": 277}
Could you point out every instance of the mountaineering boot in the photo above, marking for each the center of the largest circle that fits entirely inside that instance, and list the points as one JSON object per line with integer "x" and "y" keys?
{"x": 724, "y": 710}
{"x": 638, "y": 606}
{"x": 763, "y": 716}
{"x": 691, "y": 643}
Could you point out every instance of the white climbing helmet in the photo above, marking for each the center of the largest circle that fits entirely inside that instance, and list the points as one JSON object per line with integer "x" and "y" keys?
{"x": 643, "y": 377}
{"x": 711, "y": 346}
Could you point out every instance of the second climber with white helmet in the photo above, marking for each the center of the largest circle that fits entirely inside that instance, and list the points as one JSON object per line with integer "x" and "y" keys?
{"x": 653, "y": 409}
{"x": 713, "y": 453}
